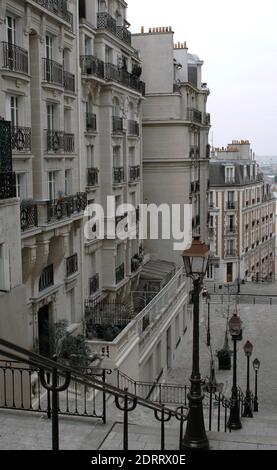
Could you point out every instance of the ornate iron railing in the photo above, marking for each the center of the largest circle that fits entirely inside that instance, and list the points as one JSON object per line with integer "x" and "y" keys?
{"x": 69, "y": 81}
{"x": 94, "y": 284}
{"x": 28, "y": 215}
{"x": 118, "y": 175}
{"x": 107, "y": 22}
{"x": 194, "y": 115}
{"x": 134, "y": 173}
{"x": 119, "y": 273}
{"x": 7, "y": 185}
{"x": 91, "y": 124}
{"x": 21, "y": 138}
{"x": 92, "y": 176}
{"x": 60, "y": 142}
{"x": 14, "y": 58}
{"x": 90, "y": 65}
{"x": 117, "y": 124}
{"x": 124, "y": 34}
{"x": 53, "y": 72}
{"x": 46, "y": 278}
{"x": 71, "y": 265}
{"x": 133, "y": 127}
{"x": 59, "y": 8}
{"x": 66, "y": 207}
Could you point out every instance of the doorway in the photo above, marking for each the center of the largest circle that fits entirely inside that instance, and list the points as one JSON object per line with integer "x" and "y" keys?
{"x": 43, "y": 331}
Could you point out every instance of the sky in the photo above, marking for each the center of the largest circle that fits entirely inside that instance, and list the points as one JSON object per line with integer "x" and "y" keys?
{"x": 237, "y": 41}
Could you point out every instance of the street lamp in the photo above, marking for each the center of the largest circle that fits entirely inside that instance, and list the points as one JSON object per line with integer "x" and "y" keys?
{"x": 234, "y": 419}
{"x": 196, "y": 262}
{"x": 247, "y": 412}
{"x": 256, "y": 366}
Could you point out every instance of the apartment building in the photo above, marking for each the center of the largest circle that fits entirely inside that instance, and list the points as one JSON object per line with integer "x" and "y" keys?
{"x": 242, "y": 217}
{"x": 110, "y": 125}
{"x": 39, "y": 83}
{"x": 175, "y": 132}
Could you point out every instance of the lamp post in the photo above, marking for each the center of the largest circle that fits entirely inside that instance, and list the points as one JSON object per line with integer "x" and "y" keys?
{"x": 234, "y": 419}
{"x": 247, "y": 412}
{"x": 196, "y": 262}
{"x": 207, "y": 296}
{"x": 256, "y": 366}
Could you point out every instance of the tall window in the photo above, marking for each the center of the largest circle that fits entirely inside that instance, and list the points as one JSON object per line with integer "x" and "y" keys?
{"x": 90, "y": 156}
{"x": 66, "y": 59}
{"x": 67, "y": 120}
{"x": 52, "y": 183}
{"x": 88, "y": 42}
{"x": 21, "y": 185}
{"x": 210, "y": 271}
{"x": 116, "y": 157}
{"x": 50, "y": 117}
{"x": 230, "y": 246}
{"x": 68, "y": 182}
{"x": 14, "y": 111}
{"x": 10, "y": 27}
{"x": 132, "y": 156}
{"x": 49, "y": 47}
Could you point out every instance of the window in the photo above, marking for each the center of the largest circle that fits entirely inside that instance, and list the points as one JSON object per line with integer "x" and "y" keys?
{"x": 132, "y": 156}
{"x": 49, "y": 47}
{"x": 230, "y": 174}
{"x": 66, "y": 59}
{"x": 68, "y": 182}
{"x": 116, "y": 157}
{"x": 50, "y": 117}
{"x": 67, "y": 120}
{"x": 4, "y": 270}
{"x": 108, "y": 55}
{"x": 10, "y": 27}
{"x": 21, "y": 185}
{"x": 52, "y": 184}
{"x": 88, "y": 50}
{"x": 210, "y": 271}
{"x": 90, "y": 156}
{"x": 14, "y": 111}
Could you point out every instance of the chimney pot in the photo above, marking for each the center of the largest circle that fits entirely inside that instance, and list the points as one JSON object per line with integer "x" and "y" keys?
{"x": 142, "y": 29}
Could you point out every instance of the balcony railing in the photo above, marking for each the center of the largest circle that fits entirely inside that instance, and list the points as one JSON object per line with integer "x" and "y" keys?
{"x": 231, "y": 205}
{"x": 124, "y": 34}
{"x": 118, "y": 175}
{"x": 117, "y": 124}
{"x": 69, "y": 81}
{"x": 28, "y": 215}
{"x": 7, "y": 185}
{"x": 231, "y": 230}
{"x": 107, "y": 22}
{"x": 133, "y": 127}
{"x": 59, "y": 142}
{"x": 91, "y": 123}
{"x": 21, "y": 139}
{"x": 194, "y": 115}
{"x": 90, "y": 65}
{"x": 71, "y": 265}
{"x": 92, "y": 176}
{"x": 134, "y": 173}
{"x": 94, "y": 284}
{"x": 59, "y": 8}
{"x": 120, "y": 274}
{"x": 53, "y": 72}
{"x": 14, "y": 58}
{"x": 66, "y": 207}
{"x": 46, "y": 278}
{"x": 122, "y": 76}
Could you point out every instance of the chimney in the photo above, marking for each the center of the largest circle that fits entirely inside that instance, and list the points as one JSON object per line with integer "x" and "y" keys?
{"x": 142, "y": 30}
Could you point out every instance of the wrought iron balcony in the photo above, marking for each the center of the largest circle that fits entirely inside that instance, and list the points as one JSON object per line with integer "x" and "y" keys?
{"x": 59, "y": 142}
{"x": 92, "y": 176}
{"x": 14, "y": 58}
{"x": 21, "y": 139}
{"x": 117, "y": 124}
{"x": 53, "y": 72}
{"x": 91, "y": 122}
{"x": 118, "y": 175}
{"x": 122, "y": 76}
{"x": 107, "y": 22}
{"x": 133, "y": 127}
{"x": 124, "y": 34}
{"x": 7, "y": 185}
{"x": 134, "y": 173}
{"x": 59, "y": 8}
{"x": 120, "y": 274}
{"x": 193, "y": 115}
{"x": 94, "y": 284}
{"x": 71, "y": 265}
{"x": 69, "y": 81}
{"x": 28, "y": 215}
{"x": 231, "y": 205}
{"x": 66, "y": 207}
{"x": 90, "y": 65}
{"x": 46, "y": 278}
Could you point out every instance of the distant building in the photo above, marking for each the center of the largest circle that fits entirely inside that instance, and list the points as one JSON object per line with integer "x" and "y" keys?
{"x": 242, "y": 212}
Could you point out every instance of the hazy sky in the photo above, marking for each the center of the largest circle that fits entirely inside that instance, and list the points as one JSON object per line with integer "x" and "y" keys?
{"x": 238, "y": 42}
